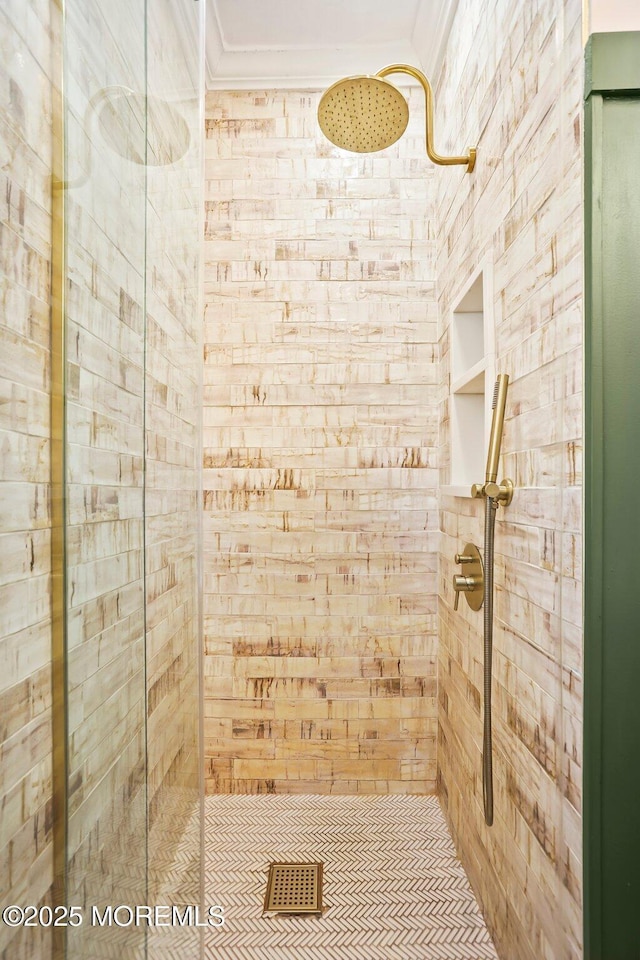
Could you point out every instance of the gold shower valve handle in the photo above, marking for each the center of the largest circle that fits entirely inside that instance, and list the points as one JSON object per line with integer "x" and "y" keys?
{"x": 470, "y": 583}
{"x": 463, "y": 584}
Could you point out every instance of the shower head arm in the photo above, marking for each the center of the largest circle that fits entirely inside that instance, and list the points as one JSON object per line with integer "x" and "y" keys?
{"x": 470, "y": 159}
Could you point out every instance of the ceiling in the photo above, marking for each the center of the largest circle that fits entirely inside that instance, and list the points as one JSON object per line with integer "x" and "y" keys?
{"x": 309, "y": 43}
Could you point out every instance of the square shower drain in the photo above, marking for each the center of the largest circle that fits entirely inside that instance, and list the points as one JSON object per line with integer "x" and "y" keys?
{"x": 294, "y": 888}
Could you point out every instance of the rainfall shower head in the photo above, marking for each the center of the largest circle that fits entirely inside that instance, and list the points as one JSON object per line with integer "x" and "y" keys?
{"x": 364, "y": 114}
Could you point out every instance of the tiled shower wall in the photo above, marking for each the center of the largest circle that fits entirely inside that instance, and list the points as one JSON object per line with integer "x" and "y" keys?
{"x": 173, "y": 473}
{"x": 105, "y": 323}
{"x": 134, "y": 453}
{"x": 107, "y": 386}
{"x": 320, "y": 436}
{"x": 512, "y": 79}
{"x": 25, "y": 627}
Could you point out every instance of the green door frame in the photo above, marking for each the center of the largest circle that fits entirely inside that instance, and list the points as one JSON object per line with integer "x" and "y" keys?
{"x": 612, "y": 501}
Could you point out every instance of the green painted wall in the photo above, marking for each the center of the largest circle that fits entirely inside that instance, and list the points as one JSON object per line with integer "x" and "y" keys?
{"x": 612, "y": 498}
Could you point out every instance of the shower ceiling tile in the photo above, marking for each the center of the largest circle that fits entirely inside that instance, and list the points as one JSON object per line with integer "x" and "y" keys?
{"x": 282, "y": 23}
{"x": 286, "y": 44}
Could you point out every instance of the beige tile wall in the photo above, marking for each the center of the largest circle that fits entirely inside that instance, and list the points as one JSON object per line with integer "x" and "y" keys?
{"x": 173, "y": 473}
{"x": 512, "y": 79}
{"x": 105, "y": 332}
{"x": 320, "y": 434}
{"x": 134, "y": 458}
{"x": 117, "y": 360}
{"x": 321, "y": 464}
{"x": 25, "y": 632}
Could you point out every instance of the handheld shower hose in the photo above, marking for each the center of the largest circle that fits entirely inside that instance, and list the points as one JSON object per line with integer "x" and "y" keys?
{"x": 492, "y": 494}
{"x": 490, "y": 507}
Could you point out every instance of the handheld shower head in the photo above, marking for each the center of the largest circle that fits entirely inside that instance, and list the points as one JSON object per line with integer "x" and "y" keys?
{"x": 497, "y": 426}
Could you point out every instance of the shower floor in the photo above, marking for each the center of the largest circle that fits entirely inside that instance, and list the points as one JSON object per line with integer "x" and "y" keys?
{"x": 393, "y": 886}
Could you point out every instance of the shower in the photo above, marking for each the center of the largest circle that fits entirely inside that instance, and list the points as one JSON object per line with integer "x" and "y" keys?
{"x": 249, "y": 343}
{"x": 364, "y": 114}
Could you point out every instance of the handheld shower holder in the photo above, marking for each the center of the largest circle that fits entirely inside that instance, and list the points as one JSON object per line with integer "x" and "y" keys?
{"x": 502, "y": 492}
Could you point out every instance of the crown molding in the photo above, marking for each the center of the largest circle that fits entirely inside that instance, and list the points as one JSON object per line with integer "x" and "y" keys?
{"x": 213, "y": 45}
{"x": 270, "y": 82}
{"x": 302, "y": 68}
{"x": 429, "y": 39}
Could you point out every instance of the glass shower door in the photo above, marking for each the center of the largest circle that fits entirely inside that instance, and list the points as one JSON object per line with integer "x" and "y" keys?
{"x": 132, "y": 459}
{"x": 105, "y": 221}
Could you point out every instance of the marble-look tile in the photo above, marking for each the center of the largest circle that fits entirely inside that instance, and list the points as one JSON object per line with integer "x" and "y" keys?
{"x": 27, "y": 31}
{"x": 392, "y": 884}
{"x": 523, "y": 106}
{"x": 133, "y": 463}
{"x": 319, "y": 412}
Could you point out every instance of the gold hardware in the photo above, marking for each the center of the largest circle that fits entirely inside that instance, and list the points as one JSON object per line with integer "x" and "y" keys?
{"x": 506, "y": 492}
{"x": 494, "y": 494}
{"x": 367, "y": 113}
{"x": 502, "y": 492}
{"x": 463, "y": 583}
{"x": 363, "y": 114}
{"x": 497, "y": 426}
{"x": 294, "y": 888}
{"x": 472, "y": 582}
{"x": 59, "y": 706}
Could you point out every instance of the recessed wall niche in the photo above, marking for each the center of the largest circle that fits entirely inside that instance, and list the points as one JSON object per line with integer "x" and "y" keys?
{"x": 472, "y": 377}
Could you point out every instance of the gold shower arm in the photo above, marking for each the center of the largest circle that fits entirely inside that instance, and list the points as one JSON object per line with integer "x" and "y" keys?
{"x": 470, "y": 159}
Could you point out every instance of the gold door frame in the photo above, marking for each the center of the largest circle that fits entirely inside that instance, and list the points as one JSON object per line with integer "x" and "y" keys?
{"x": 57, "y": 494}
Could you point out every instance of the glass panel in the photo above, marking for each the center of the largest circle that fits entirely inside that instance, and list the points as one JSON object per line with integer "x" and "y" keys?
{"x": 133, "y": 176}
{"x": 105, "y": 339}
{"x": 173, "y": 460}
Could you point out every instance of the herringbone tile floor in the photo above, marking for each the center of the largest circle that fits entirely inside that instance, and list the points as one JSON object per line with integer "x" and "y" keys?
{"x": 393, "y": 886}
